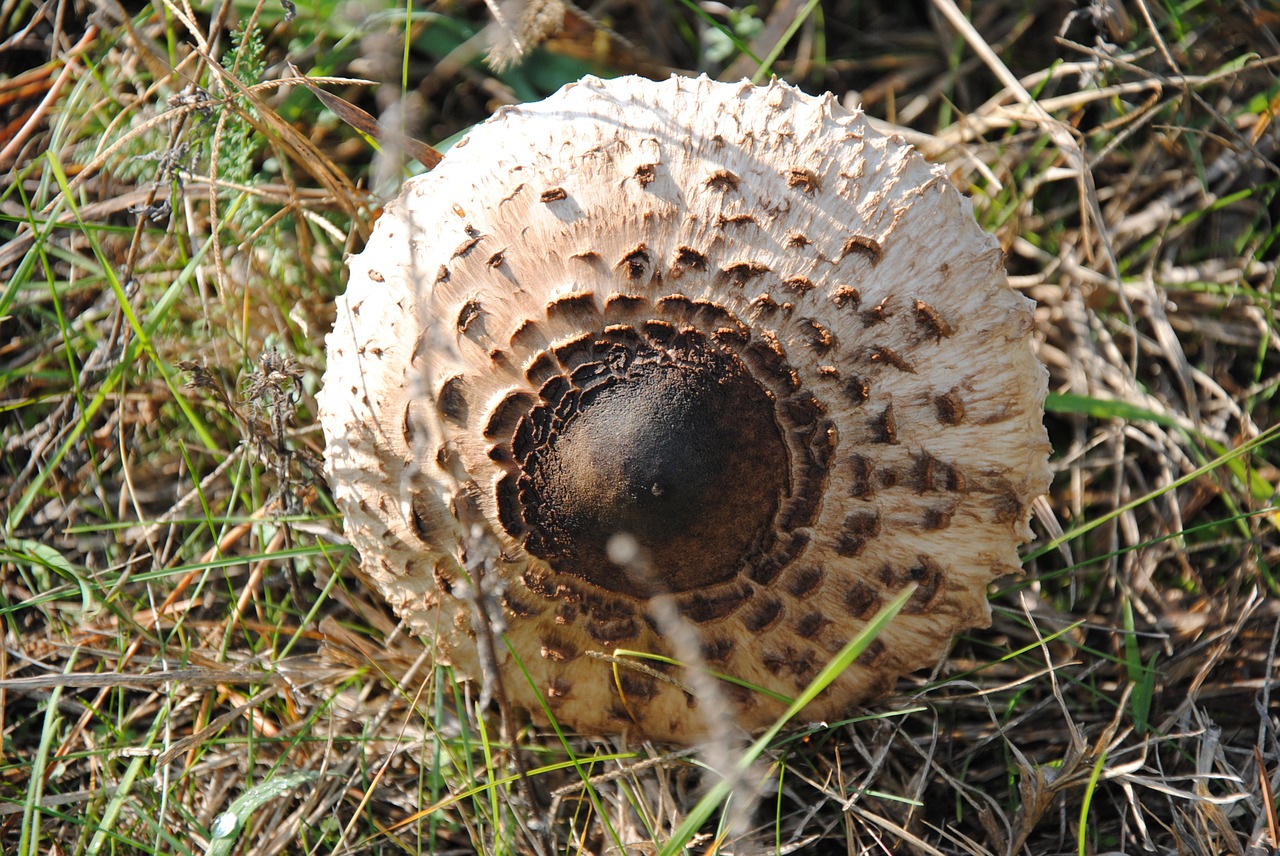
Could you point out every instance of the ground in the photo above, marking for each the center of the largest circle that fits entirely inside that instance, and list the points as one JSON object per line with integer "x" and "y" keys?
{"x": 190, "y": 663}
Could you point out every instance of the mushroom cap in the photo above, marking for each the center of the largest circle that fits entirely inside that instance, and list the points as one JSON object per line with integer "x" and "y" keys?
{"x": 733, "y": 322}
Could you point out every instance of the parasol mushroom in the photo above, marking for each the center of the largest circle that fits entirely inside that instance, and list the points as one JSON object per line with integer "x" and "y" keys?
{"x": 735, "y": 324}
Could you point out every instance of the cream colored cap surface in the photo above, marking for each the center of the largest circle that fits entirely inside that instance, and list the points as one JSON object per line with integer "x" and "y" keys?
{"x": 734, "y": 322}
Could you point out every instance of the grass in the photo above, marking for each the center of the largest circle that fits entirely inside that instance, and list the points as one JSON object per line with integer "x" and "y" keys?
{"x": 190, "y": 664}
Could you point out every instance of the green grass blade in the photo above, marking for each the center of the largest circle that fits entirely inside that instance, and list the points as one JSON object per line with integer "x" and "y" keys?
{"x": 722, "y": 789}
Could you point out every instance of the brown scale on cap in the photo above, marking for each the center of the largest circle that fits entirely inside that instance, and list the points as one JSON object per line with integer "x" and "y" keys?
{"x": 684, "y": 323}
{"x": 803, "y": 179}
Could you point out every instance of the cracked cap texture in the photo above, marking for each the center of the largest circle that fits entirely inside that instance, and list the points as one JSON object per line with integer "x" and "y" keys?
{"x": 733, "y": 322}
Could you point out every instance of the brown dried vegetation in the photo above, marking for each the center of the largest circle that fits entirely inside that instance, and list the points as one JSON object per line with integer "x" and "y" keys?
{"x": 180, "y": 619}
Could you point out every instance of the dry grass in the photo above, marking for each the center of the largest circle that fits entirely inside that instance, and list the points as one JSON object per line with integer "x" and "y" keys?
{"x": 188, "y": 663}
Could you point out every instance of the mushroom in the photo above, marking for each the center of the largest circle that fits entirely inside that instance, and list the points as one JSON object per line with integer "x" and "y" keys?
{"x": 734, "y": 323}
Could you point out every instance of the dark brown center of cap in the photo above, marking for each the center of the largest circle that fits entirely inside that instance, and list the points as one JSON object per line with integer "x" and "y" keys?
{"x": 681, "y": 451}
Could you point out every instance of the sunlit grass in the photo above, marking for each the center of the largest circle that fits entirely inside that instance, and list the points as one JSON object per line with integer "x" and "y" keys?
{"x": 190, "y": 663}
